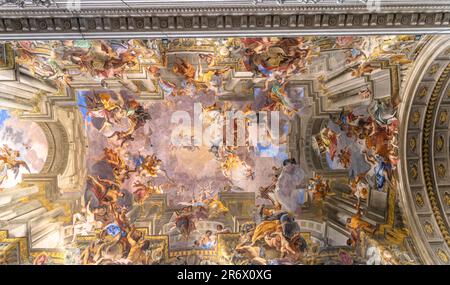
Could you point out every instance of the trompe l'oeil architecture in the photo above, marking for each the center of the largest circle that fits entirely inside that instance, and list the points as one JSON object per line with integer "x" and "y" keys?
{"x": 224, "y": 132}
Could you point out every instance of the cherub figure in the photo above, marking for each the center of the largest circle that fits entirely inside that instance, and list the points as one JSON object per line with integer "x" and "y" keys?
{"x": 143, "y": 191}
{"x": 345, "y": 157}
{"x": 151, "y": 166}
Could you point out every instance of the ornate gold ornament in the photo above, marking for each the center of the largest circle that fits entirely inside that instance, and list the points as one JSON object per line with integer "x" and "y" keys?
{"x": 22, "y": 244}
{"x": 447, "y": 198}
{"x": 442, "y": 255}
{"x": 428, "y": 128}
{"x": 440, "y": 143}
{"x": 441, "y": 170}
{"x": 423, "y": 92}
{"x": 443, "y": 117}
{"x": 419, "y": 200}
{"x": 414, "y": 171}
{"x": 428, "y": 228}
{"x": 416, "y": 117}
{"x": 447, "y": 52}
{"x": 412, "y": 144}
{"x": 434, "y": 69}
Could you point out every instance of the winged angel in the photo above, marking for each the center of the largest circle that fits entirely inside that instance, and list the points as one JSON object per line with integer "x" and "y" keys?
{"x": 9, "y": 161}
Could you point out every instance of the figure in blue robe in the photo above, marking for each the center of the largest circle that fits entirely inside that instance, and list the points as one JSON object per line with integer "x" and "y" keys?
{"x": 381, "y": 169}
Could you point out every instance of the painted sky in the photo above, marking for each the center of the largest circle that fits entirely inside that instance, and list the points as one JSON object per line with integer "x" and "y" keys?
{"x": 28, "y": 138}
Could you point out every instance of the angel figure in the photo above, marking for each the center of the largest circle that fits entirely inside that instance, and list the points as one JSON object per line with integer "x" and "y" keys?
{"x": 143, "y": 191}
{"x": 9, "y": 161}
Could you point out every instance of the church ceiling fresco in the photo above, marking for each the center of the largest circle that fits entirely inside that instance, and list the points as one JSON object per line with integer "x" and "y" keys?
{"x": 314, "y": 124}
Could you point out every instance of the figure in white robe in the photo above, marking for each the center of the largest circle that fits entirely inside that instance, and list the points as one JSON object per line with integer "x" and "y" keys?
{"x": 287, "y": 189}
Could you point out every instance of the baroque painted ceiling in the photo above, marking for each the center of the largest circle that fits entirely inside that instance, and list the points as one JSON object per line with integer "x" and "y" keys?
{"x": 267, "y": 150}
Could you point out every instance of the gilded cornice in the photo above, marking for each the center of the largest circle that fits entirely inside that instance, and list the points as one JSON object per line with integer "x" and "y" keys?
{"x": 428, "y": 157}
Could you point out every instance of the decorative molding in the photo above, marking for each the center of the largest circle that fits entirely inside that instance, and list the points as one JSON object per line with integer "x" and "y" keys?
{"x": 222, "y": 21}
{"x": 428, "y": 154}
{"x": 22, "y": 3}
{"x": 22, "y": 243}
{"x": 420, "y": 183}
